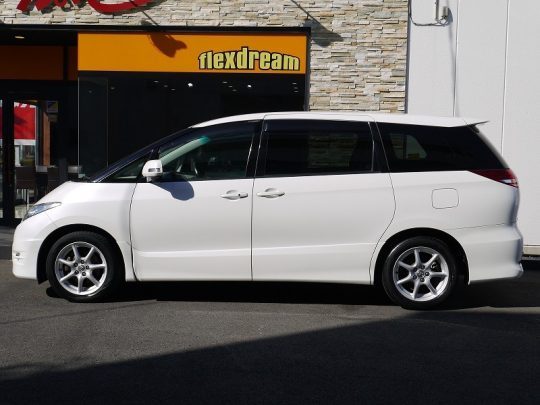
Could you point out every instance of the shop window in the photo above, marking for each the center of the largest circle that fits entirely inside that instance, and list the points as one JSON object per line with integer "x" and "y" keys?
{"x": 122, "y": 112}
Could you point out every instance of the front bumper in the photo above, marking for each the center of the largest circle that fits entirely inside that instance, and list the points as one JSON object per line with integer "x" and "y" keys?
{"x": 27, "y": 240}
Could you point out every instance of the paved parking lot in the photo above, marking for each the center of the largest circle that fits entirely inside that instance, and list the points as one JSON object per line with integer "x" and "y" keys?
{"x": 191, "y": 343}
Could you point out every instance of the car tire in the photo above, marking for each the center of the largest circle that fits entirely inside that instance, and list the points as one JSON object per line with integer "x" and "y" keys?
{"x": 83, "y": 267}
{"x": 419, "y": 273}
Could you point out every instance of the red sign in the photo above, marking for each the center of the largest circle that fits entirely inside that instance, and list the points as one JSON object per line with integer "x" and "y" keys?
{"x": 98, "y": 5}
{"x": 24, "y": 121}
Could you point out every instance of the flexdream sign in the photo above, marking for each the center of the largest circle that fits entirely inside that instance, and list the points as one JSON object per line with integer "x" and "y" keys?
{"x": 247, "y": 59}
{"x": 203, "y": 52}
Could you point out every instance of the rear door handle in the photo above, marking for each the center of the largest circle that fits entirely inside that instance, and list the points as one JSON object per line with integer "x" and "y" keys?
{"x": 233, "y": 195}
{"x": 271, "y": 193}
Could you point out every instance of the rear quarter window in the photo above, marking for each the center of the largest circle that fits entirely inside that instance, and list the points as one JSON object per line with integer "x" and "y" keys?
{"x": 414, "y": 148}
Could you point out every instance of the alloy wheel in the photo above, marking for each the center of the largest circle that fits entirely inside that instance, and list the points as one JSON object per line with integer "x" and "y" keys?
{"x": 421, "y": 274}
{"x": 80, "y": 268}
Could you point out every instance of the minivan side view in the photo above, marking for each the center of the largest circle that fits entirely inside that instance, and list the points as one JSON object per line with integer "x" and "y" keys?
{"x": 412, "y": 203}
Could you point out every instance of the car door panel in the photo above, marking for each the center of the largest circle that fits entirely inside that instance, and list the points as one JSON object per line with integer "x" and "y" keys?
{"x": 320, "y": 227}
{"x": 194, "y": 222}
{"x": 187, "y": 231}
{"x": 324, "y": 228}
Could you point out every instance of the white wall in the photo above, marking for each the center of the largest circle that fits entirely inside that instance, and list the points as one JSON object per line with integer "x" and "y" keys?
{"x": 521, "y": 136}
{"x": 485, "y": 64}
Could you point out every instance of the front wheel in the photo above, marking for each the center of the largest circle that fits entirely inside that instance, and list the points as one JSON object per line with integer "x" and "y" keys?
{"x": 419, "y": 273}
{"x": 83, "y": 267}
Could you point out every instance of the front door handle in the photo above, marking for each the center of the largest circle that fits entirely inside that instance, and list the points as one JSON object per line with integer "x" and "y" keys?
{"x": 233, "y": 195}
{"x": 271, "y": 193}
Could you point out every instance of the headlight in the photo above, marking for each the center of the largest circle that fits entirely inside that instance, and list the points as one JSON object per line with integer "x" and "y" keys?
{"x": 39, "y": 208}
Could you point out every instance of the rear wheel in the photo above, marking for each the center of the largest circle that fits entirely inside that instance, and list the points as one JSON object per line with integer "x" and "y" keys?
{"x": 83, "y": 267}
{"x": 419, "y": 273}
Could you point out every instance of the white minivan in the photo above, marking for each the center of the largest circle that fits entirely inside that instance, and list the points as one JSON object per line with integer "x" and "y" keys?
{"x": 413, "y": 203}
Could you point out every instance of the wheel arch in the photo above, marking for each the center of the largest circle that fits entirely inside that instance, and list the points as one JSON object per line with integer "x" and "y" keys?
{"x": 461, "y": 258}
{"x": 64, "y": 230}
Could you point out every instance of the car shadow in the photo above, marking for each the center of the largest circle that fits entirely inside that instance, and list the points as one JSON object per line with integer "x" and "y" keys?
{"x": 250, "y": 292}
{"x": 497, "y": 294}
{"x": 521, "y": 292}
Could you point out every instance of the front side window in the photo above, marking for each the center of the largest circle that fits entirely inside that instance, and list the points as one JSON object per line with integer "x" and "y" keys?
{"x": 209, "y": 153}
{"x": 308, "y": 147}
{"x": 130, "y": 173}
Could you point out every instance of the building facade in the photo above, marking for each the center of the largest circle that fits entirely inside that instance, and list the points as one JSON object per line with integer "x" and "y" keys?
{"x": 357, "y": 48}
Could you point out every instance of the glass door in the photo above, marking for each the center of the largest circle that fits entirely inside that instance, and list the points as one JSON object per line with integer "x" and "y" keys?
{"x": 28, "y": 132}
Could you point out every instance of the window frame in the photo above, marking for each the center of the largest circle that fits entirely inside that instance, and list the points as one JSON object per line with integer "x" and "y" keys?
{"x": 379, "y": 164}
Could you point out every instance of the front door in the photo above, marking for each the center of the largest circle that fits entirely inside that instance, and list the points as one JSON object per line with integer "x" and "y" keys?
{"x": 320, "y": 202}
{"x": 194, "y": 223}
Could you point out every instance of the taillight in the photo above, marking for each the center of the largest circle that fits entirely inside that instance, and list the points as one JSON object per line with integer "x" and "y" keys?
{"x": 505, "y": 176}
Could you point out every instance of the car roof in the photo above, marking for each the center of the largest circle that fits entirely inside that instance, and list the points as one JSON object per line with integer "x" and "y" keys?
{"x": 350, "y": 116}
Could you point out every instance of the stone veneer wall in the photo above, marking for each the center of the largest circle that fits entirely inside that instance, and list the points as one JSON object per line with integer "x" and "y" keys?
{"x": 358, "y": 47}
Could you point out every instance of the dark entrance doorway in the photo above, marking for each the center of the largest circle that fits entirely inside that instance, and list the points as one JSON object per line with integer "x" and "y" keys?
{"x": 38, "y": 144}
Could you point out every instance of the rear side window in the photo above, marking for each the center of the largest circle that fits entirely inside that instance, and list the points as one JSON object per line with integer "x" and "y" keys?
{"x": 309, "y": 147}
{"x": 414, "y": 148}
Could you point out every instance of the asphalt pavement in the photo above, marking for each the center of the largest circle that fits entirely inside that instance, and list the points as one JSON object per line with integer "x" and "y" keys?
{"x": 268, "y": 343}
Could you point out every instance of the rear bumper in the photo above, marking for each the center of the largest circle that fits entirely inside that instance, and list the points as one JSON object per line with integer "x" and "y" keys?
{"x": 493, "y": 252}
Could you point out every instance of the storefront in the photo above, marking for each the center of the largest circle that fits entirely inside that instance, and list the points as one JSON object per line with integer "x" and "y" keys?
{"x": 83, "y": 84}
{"x": 73, "y": 107}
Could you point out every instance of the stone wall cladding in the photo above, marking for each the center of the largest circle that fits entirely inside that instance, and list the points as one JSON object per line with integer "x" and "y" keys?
{"x": 357, "y": 52}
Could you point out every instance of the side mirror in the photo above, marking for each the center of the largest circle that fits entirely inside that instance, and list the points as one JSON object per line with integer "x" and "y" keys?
{"x": 152, "y": 169}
